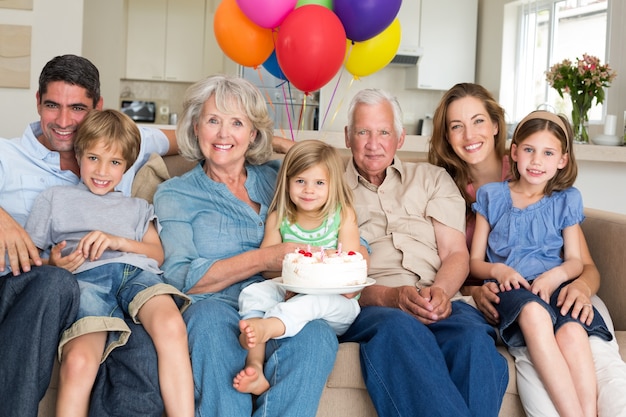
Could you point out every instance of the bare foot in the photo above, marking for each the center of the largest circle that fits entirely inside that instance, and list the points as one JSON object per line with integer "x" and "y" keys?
{"x": 247, "y": 338}
{"x": 251, "y": 380}
{"x": 259, "y": 330}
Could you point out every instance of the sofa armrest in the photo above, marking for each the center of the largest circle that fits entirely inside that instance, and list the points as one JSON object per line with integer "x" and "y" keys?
{"x": 606, "y": 236}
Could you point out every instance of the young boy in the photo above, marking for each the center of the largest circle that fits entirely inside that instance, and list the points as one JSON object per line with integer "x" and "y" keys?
{"x": 111, "y": 244}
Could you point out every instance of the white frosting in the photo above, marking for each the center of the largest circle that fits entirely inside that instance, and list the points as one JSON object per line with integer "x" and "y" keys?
{"x": 312, "y": 270}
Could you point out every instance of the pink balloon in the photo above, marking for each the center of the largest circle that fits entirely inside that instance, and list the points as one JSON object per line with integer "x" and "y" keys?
{"x": 267, "y": 13}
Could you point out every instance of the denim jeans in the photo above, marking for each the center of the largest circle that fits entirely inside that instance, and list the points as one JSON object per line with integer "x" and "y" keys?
{"x": 296, "y": 367}
{"x": 449, "y": 368}
{"x": 127, "y": 384}
{"x": 35, "y": 308}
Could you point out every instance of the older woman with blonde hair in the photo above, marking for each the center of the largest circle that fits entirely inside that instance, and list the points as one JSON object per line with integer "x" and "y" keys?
{"x": 213, "y": 221}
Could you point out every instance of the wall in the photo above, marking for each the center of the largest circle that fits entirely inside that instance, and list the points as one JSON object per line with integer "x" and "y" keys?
{"x": 56, "y": 29}
{"x": 104, "y": 38}
{"x": 336, "y": 95}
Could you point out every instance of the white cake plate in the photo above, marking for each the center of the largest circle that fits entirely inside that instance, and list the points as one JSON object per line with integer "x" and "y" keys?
{"x": 317, "y": 290}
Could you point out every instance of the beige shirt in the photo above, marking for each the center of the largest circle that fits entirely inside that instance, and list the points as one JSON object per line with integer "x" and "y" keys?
{"x": 396, "y": 220}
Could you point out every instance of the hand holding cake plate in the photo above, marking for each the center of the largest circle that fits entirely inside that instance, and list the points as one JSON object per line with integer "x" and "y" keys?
{"x": 346, "y": 289}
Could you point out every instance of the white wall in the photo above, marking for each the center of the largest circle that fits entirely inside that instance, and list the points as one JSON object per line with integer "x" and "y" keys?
{"x": 56, "y": 29}
{"x": 336, "y": 95}
{"x": 104, "y": 44}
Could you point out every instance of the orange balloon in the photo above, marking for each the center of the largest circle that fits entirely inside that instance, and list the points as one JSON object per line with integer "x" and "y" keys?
{"x": 239, "y": 38}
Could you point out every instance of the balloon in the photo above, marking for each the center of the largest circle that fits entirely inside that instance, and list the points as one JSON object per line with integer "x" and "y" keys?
{"x": 326, "y": 3}
{"x": 364, "y": 19}
{"x": 367, "y": 57}
{"x": 240, "y": 39}
{"x": 267, "y": 13}
{"x": 271, "y": 65}
{"x": 310, "y": 47}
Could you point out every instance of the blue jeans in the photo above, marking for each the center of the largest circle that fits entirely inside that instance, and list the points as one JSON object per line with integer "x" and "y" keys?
{"x": 296, "y": 367}
{"x": 35, "y": 308}
{"x": 449, "y": 368}
{"x": 127, "y": 384}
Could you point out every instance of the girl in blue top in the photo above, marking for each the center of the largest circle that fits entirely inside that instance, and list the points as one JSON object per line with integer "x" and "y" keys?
{"x": 526, "y": 229}
{"x": 312, "y": 205}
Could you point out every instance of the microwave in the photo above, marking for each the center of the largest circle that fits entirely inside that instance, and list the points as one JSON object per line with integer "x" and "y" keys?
{"x": 146, "y": 110}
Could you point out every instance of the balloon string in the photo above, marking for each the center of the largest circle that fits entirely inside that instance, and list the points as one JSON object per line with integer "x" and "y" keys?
{"x": 302, "y": 108}
{"x": 332, "y": 96}
{"x": 288, "y": 112}
{"x": 335, "y": 88}
{"x": 340, "y": 104}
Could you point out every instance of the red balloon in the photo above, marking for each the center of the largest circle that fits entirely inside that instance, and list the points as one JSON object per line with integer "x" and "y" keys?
{"x": 310, "y": 47}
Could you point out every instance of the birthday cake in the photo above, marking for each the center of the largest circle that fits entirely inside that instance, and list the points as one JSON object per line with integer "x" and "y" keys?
{"x": 321, "y": 270}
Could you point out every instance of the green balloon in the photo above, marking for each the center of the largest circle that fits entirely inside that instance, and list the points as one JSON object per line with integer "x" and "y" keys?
{"x": 326, "y": 3}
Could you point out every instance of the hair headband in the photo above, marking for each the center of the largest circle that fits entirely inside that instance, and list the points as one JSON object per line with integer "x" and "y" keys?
{"x": 546, "y": 115}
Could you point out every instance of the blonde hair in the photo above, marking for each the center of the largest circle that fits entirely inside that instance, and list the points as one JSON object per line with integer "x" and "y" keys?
{"x": 558, "y": 126}
{"x": 232, "y": 94}
{"x": 302, "y": 156}
{"x": 114, "y": 129}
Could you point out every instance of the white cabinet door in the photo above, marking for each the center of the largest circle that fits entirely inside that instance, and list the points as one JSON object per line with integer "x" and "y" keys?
{"x": 184, "y": 47}
{"x": 165, "y": 40}
{"x": 213, "y": 55}
{"x": 448, "y": 30}
{"x": 145, "y": 43}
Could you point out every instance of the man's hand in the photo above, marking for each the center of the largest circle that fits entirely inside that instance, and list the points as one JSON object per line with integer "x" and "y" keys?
{"x": 15, "y": 242}
{"x": 428, "y": 305}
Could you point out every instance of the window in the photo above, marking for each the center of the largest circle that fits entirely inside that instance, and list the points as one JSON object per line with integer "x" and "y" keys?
{"x": 546, "y": 32}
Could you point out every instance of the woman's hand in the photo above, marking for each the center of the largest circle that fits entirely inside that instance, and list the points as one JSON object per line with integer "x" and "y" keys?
{"x": 574, "y": 297}
{"x": 486, "y": 297}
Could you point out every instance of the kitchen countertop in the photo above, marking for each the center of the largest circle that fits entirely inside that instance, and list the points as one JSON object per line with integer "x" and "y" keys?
{"x": 419, "y": 144}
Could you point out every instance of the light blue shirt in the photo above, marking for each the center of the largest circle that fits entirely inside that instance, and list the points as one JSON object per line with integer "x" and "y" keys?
{"x": 203, "y": 222}
{"x": 27, "y": 168}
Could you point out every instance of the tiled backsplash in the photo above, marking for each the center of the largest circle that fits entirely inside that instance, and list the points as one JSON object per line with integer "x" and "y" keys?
{"x": 156, "y": 90}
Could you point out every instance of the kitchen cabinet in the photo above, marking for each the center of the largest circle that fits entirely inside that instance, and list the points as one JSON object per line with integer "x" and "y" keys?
{"x": 447, "y": 36}
{"x": 165, "y": 40}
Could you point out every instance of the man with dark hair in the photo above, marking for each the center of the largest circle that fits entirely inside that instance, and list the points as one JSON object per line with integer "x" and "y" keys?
{"x": 38, "y": 302}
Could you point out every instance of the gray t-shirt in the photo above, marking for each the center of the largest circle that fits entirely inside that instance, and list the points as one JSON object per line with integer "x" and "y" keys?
{"x": 70, "y": 212}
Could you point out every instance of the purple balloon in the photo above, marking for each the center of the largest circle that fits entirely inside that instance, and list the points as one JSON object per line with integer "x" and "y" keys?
{"x": 364, "y": 19}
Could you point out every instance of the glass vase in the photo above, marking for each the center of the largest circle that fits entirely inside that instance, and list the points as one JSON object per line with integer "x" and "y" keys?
{"x": 580, "y": 120}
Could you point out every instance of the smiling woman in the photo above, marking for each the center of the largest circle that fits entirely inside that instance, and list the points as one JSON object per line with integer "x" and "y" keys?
{"x": 212, "y": 222}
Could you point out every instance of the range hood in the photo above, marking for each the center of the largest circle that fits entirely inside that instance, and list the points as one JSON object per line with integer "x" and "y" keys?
{"x": 407, "y": 57}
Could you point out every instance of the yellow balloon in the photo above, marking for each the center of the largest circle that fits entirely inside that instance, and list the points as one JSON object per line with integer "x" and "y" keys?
{"x": 367, "y": 57}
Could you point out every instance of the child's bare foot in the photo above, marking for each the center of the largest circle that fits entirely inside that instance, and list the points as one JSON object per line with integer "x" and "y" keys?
{"x": 251, "y": 380}
{"x": 259, "y": 330}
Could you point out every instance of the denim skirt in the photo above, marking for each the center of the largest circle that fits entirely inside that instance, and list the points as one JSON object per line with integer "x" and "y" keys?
{"x": 512, "y": 302}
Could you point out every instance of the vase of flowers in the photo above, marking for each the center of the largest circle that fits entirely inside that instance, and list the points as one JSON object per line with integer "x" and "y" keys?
{"x": 584, "y": 81}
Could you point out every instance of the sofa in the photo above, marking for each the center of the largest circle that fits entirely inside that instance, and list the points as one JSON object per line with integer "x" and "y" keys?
{"x": 345, "y": 393}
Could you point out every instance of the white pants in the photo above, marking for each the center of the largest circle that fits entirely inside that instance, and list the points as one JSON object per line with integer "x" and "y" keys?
{"x": 610, "y": 373}
{"x": 267, "y": 299}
